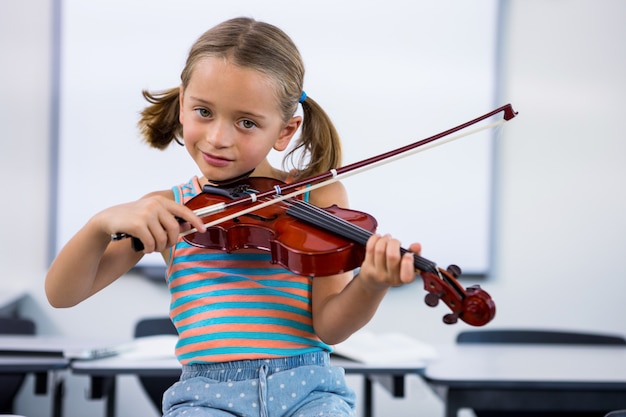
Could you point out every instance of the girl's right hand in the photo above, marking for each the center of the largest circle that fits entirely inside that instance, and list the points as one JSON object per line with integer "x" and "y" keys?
{"x": 153, "y": 220}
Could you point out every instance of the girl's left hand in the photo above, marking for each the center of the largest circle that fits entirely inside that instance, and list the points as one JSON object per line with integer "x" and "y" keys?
{"x": 384, "y": 266}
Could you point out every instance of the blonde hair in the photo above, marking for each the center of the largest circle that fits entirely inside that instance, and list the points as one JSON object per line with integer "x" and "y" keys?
{"x": 265, "y": 48}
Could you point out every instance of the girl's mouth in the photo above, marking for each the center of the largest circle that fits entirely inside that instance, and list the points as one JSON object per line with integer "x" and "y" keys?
{"x": 215, "y": 160}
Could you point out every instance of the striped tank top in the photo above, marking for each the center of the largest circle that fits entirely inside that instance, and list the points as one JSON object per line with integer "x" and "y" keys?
{"x": 236, "y": 306}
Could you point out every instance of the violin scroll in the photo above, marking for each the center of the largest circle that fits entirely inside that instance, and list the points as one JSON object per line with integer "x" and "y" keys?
{"x": 473, "y": 305}
{"x": 479, "y": 308}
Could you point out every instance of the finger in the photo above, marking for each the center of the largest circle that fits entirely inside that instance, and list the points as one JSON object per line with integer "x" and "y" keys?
{"x": 393, "y": 261}
{"x": 187, "y": 215}
{"x": 172, "y": 228}
{"x": 159, "y": 234}
{"x": 407, "y": 269}
{"x": 393, "y": 254}
{"x": 147, "y": 242}
{"x": 370, "y": 248}
{"x": 380, "y": 253}
{"x": 415, "y": 248}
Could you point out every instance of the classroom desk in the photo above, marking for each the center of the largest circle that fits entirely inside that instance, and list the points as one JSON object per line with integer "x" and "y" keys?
{"x": 42, "y": 367}
{"x": 103, "y": 373}
{"x": 529, "y": 377}
{"x": 44, "y": 356}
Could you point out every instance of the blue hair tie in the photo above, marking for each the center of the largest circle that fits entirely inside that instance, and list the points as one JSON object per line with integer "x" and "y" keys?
{"x": 302, "y": 97}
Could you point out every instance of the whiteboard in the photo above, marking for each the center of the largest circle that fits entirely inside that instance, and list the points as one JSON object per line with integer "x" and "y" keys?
{"x": 388, "y": 73}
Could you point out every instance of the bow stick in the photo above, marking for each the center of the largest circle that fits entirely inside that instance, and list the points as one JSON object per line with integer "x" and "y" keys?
{"x": 278, "y": 193}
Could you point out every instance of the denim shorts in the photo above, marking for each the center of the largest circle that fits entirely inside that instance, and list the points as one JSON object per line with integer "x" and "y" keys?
{"x": 298, "y": 386}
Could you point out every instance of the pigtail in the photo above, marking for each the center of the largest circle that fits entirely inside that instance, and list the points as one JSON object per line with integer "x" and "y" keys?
{"x": 319, "y": 145}
{"x": 159, "y": 123}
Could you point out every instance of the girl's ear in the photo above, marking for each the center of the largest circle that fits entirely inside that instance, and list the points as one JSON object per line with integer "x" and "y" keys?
{"x": 287, "y": 133}
{"x": 180, "y": 104}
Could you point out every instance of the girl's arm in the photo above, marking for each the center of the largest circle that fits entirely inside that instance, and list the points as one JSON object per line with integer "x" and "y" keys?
{"x": 90, "y": 261}
{"x": 342, "y": 304}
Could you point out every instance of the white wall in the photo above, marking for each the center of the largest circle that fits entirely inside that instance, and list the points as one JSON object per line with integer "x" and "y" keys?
{"x": 559, "y": 211}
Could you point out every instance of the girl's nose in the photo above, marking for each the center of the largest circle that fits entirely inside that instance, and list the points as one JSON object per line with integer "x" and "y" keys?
{"x": 219, "y": 134}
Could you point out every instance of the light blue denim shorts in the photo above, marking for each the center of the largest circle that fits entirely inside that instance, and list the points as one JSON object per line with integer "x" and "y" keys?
{"x": 298, "y": 386}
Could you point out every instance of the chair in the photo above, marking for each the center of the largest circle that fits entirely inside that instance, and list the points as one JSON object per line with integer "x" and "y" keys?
{"x": 11, "y": 383}
{"x": 155, "y": 386}
{"x": 535, "y": 336}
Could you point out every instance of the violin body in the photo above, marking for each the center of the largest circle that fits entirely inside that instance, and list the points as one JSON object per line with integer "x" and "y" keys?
{"x": 298, "y": 246}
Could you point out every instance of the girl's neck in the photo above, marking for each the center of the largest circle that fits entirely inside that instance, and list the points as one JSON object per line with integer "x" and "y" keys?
{"x": 264, "y": 169}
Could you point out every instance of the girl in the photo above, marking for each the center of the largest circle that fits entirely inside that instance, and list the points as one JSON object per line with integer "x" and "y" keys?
{"x": 254, "y": 338}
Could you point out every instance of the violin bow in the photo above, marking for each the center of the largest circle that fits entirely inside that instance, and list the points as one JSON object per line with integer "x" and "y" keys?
{"x": 278, "y": 194}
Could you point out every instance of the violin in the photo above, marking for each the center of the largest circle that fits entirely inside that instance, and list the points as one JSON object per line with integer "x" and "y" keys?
{"x": 313, "y": 241}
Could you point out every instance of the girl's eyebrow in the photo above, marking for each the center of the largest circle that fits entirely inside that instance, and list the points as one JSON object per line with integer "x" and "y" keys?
{"x": 201, "y": 100}
{"x": 244, "y": 112}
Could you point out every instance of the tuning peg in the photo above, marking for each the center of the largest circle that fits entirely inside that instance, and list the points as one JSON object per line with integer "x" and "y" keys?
{"x": 451, "y": 318}
{"x": 432, "y": 299}
{"x": 454, "y": 270}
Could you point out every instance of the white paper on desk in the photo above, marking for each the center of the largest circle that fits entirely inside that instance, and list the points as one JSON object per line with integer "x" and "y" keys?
{"x": 385, "y": 348}
{"x": 152, "y": 347}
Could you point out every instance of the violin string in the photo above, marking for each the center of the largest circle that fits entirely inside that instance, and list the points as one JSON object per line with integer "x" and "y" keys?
{"x": 308, "y": 212}
{"x": 318, "y": 216}
{"x": 328, "y": 221}
{"x": 359, "y": 234}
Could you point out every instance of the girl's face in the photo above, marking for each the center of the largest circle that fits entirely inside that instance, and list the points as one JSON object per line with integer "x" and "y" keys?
{"x": 231, "y": 120}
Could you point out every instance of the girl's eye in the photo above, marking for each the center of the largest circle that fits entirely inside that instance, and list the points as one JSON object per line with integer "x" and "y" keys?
{"x": 203, "y": 112}
{"x": 247, "y": 124}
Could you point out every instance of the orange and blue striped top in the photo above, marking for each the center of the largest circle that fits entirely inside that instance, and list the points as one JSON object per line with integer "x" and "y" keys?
{"x": 236, "y": 306}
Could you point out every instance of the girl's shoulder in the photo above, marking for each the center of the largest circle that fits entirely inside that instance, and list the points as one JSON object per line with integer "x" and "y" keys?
{"x": 180, "y": 192}
{"x": 326, "y": 196}
{"x": 187, "y": 190}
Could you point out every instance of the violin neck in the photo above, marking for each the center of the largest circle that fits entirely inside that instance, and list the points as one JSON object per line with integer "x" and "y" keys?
{"x": 327, "y": 221}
